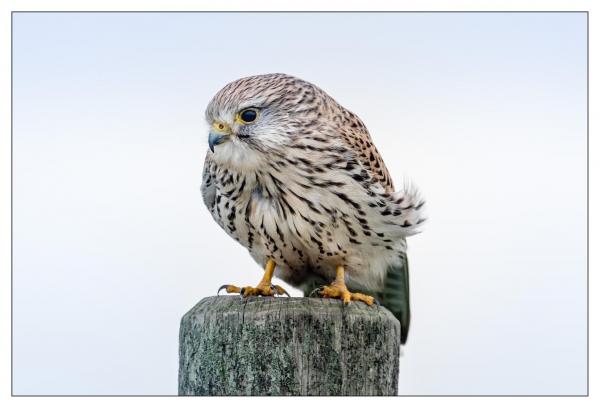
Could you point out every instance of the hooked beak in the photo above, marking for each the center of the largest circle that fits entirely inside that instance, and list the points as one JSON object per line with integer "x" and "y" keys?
{"x": 215, "y": 139}
{"x": 218, "y": 134}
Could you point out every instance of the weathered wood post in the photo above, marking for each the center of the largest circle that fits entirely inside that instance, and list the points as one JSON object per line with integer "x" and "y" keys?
{"x": 287, "y": 346}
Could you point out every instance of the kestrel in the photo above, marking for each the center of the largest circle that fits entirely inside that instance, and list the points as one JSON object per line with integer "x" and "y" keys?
{"x": 296, "y": 179}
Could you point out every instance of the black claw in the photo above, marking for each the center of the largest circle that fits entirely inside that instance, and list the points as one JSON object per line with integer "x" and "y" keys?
{"x": 315, "y": 290}
{"x": 284, "y": 291}
{"x": 377, "y": 302}
{"x": 221, "y": 288}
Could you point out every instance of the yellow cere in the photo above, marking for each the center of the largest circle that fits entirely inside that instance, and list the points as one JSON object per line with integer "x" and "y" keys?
{"x": 221, "y": 127}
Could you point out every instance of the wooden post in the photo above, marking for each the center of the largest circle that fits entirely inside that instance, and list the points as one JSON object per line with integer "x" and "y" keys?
{"x": 287, "y": 346}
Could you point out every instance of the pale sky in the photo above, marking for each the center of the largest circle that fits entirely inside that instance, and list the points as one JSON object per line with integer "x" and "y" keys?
{"x": 486, "y": 113}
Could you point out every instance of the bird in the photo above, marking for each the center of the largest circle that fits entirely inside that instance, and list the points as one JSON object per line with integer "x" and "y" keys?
{"x": 295, "y": 178}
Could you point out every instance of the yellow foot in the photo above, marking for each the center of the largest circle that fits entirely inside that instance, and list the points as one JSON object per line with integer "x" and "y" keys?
{"x": 260, "y": 290}
{"x": 337, "y": 291}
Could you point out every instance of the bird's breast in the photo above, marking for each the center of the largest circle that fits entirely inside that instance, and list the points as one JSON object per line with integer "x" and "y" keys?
{"x": 301, "y": 221}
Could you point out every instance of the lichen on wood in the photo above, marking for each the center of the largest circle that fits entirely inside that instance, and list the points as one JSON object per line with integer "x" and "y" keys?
{"x": 287, "y": 346}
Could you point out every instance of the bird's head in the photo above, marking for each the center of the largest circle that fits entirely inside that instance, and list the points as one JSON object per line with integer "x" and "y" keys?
{"x": 253, "y": 118}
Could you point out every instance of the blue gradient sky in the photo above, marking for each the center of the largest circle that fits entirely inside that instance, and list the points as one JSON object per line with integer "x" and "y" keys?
{"x": 486, "y": 113}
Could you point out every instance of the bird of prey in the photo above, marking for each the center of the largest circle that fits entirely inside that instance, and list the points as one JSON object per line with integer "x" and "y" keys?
{"x": 296, "y": 179}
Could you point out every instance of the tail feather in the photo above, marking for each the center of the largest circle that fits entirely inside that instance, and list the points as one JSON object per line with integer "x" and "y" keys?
{"x": 395, "y": 294}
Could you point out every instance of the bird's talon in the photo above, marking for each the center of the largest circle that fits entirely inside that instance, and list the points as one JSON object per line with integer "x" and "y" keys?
{"x": 316, "y": 290}
{"x": 278, "y": 290}
{"x": 229, "y": 289}
{"x": 340, "y": 291}
{"x": 248, "y": 291}
{"x": 262, "y": 289}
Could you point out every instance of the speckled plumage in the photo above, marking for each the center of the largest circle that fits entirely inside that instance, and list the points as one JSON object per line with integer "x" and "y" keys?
{"x": 305, "y": 186}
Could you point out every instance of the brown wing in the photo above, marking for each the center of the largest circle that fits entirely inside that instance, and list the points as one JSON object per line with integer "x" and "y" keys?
{"x": 357, "y": 137}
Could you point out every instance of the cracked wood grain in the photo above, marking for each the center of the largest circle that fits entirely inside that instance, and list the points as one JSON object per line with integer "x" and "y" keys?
{"x": 287, "y": 346}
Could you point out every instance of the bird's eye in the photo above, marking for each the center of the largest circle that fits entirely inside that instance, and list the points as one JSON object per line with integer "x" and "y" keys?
{"x": 248, "y": 115}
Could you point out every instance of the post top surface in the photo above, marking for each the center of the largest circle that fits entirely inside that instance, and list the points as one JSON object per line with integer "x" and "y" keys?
{"x": 284, "y": 306}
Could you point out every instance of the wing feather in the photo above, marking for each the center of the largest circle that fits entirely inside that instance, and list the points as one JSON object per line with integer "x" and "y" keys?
{"x": 208, "y": 188}
{"x": 357, "y": 138}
